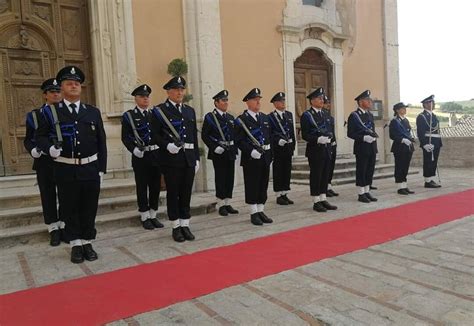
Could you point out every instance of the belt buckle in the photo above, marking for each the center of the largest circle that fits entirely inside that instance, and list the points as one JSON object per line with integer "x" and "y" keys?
{"x": 77, "y": 161}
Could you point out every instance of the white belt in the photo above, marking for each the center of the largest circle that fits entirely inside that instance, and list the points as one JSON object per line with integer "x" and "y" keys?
{"x": 228, "y": 143}
{"x": 266, "y": 147}
{"x": 77, "y": 161}
{"x": 150, "y": 148}
{"x": 188, "y": 146}
{"x": 433, "y": 135}
{"x": 333, "y": 143}
{"x": 290, "y": 141}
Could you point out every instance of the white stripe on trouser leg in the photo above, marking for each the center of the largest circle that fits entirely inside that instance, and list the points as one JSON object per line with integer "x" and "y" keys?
{"x": 74, "y": 243}
{"x": 361, "y": 190}
{"x": 260, "y": 208}
{"x": 367, "y": 189}
{"x": 175, "y": 224}
{"x": 399, "y": 185}
{"x": 153, "y": 213}
{"x": 404, "y": 185}
{"x": 144, "y": 215}
{"x": 322, "y": 197}
{"x": 253, "y": 208}
{"x": 53, "y": 227}
{"x": 329, "y": 186}
{"x": 316, "y": 199}
{"x": 84, "y": 242}
{"x": 183, "y": 223}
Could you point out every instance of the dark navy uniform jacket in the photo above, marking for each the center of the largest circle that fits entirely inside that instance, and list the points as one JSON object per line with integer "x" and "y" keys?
{"x": 30, "y": 142}
{"x": 423, "y": 129}
{"x": 400, "y": 128}
{"x": 357, "y": 131}
{"x": 261, "y": 132}
{"x": 286, "y": 121}
{"x": 332, "y": 125}
{"x": 83, "y": 136}
{"x": 311, "y": 133}
{"x": 143, "y": 127}
{"x": 184, "y": 123}
{"x": 211, "y": 137}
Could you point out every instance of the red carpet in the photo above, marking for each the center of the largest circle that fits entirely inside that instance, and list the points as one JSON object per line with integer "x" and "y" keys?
{"x": 115, "y": 295}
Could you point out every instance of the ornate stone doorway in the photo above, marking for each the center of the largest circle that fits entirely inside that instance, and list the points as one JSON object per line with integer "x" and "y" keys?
{"x": 37, "y": 37}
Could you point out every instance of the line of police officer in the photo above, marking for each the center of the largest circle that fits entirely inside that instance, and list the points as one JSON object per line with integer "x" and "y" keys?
{"x": 67, "y": 140}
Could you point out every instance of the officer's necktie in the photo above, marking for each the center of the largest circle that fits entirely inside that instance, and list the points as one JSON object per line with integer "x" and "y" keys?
{"x": 145, "y": 113}
{"x": 73, "y": 107}
{"x": 178, "y": 107}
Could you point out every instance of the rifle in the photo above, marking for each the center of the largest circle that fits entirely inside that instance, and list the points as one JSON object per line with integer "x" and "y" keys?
{"x": 58, "y": 141}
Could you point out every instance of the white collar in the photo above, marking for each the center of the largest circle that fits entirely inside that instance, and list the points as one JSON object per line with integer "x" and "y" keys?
{"x": 220, "y": 112}
{"x": 77, "y": 103}
{"x": 280, "y": 113}
{"x": 316, "y": 110}
{"x": 430, "y": 112}
{"x": 252, "y": 114}
{"x": 175, "y": 104}
{"x": 362, "y": 110}
{"x": 142, "y": 111}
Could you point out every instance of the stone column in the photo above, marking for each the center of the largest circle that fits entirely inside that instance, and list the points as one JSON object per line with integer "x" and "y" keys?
{"x": 206, "y": 73}
{"x": 113, "y": 54}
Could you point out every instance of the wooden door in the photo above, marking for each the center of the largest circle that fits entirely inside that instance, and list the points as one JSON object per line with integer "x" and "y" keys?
{"x": 311, "y": 70}
{"x": 37, "y": 37}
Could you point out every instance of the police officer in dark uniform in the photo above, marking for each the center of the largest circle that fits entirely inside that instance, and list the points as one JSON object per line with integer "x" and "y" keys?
{"x": 174, "y": 130}
{"x": 427, "y": 129}
{"x": 332, "y": 162}
{"x": 43, "y": 164}
{"x": 283, "y": 144}
{"x": 253, "y": 137}
{"x": 73, "y": 134}
{"x": 316, "y": 131}
{"x": 402, "y": 146}
{"x": 361, "y": 128}
{"x": 218, "y": 135}
{"x": 137, "y": 138}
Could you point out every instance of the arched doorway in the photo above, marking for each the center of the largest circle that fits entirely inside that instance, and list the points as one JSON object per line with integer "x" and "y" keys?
{"x": 37, "y": 37}
{"x": 311, "y": 70}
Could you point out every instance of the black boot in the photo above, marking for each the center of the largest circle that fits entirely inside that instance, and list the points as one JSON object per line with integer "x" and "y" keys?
{"x": 89, "y": 252}
{"x": 318, "y": 207}
{"x": 178, "y": 235}
{"x": 255, "y": 219}
{"x": 432, "y": 184}
{"x": 77, "y": 255}
{"x": 231, "y": 210}
{"x": 332, "y": 193}
{"x": 373, "y": 188}
{"x": 409, "y": 191}
{"x": 265, "y": 218}
{"x": 63, "y": 236}
{"x": 55, "y": 238}
{"x": 288, "y": 200}
{"x": 157, "y": 224}
{"x": 187, "y": 233}
{"x": 371, "y": 198}
{"x": 402, "y": 191}
{"x": 328, "y": 206}
{"x": 148, "y": 224}
{"x": 223, "y": 211}
{"x": 363, "y": 199}
{"x": 282, "y": 201}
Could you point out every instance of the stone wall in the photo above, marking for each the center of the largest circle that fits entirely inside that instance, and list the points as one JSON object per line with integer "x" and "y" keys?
{"x": 457, "y": 152}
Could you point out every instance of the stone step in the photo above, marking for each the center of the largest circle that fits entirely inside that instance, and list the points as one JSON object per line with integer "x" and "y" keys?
{"x": 342, "y": 173}
{"x": 28, "y": 196}
{"x": 33, "y": 214}
{"x": 34, "y": 233}
{"x": 348, "y": 180}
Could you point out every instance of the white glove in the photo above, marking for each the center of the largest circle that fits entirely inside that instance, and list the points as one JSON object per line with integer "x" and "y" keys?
{"x": 428, "y": 147}
{"x": 101, "y": 175}
{"x": 138, "y": 153}
{"x": 323, "y": 140}
{"x": 172, "y": 148}
{"x": 406, "y": 141}
{"x": 282, "y": 142}
{"x": 255, "y": 154}
{"x": 196, "y": 167}
{"x": 54, "y": 152}
{"x": 369, "y": 139}
{"x": 333, "y": 143}
{"x": 432, "y": 147}
{"x": 35, "y": 153}
{"x": 219, "y": 150}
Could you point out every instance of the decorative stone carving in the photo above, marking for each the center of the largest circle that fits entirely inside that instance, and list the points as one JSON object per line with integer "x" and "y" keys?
{"x": 26, "y": 68}
{"x": 43, "y": 12}
{"x": 23, "y": 40}
{"x": 4, "y": 6}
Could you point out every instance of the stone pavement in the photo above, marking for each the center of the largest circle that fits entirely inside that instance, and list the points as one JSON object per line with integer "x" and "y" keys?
{"x": 422, "y": 279}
